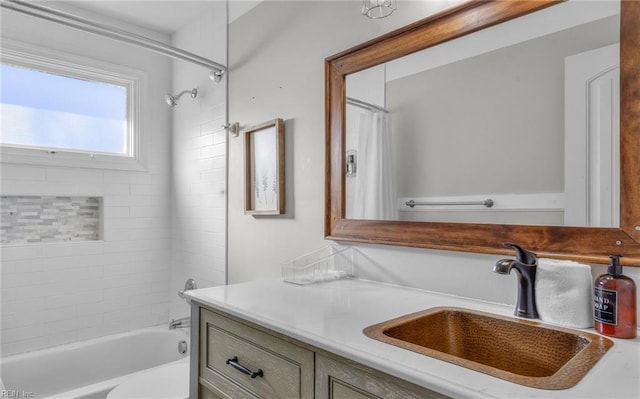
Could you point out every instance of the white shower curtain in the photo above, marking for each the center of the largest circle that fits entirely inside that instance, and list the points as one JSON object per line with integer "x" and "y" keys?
{"x": 375, "y": 188}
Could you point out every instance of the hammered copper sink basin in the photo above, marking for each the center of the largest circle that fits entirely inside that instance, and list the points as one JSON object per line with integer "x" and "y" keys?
{"x": 521, "y": 351}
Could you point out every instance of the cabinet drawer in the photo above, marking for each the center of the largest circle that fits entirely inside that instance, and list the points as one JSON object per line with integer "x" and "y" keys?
{"x": 342, "y": 379}
{"x": 281, "y": 369}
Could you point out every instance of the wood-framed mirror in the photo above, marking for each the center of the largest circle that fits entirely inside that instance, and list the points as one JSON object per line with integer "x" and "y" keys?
{"x": 587, "y": 244}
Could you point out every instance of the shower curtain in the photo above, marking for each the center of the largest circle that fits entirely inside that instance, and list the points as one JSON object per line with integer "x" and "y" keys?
{"x": 375, "y": 188}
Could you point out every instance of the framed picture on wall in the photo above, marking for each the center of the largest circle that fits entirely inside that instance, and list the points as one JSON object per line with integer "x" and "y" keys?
{"x": 264, "y": 168}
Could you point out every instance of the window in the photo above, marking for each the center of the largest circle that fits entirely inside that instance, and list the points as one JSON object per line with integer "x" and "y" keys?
{"x": 41, "y": 109}
{"x": 64, "y": 110}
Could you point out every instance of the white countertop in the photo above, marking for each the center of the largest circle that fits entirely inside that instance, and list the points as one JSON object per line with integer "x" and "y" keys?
{"x": 332, "y": 315}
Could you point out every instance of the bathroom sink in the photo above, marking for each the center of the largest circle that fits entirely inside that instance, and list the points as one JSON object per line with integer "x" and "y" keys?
{"x": 521, "y": 351}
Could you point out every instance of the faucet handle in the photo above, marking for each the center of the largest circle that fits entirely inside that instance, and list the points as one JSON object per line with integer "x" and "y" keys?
{"x": 522, "y": 255}
{"x": 188, "y": 286}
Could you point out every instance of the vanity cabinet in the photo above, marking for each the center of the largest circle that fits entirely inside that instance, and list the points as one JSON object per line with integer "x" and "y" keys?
{"x": 239, "y": 360}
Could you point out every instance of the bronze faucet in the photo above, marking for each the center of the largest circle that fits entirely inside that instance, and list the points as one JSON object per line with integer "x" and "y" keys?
{"x": 525, "y": 264}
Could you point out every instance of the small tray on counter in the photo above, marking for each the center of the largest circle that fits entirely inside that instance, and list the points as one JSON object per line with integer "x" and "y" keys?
{"x": 326, "y": 264}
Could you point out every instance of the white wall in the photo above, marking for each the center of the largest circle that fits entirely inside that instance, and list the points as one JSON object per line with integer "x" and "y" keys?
{"x": 198, "y": 248}
{"x": 495, "y": 92}
{"x": 59, "y": 293}
{"x": 276, "y": 54}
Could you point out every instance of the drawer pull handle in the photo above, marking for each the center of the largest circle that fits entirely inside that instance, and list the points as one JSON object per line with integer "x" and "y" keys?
{"x": 233, "y": 362}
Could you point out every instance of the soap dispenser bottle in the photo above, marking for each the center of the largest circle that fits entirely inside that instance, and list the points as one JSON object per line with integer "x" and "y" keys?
{"x": 614, "y": 297}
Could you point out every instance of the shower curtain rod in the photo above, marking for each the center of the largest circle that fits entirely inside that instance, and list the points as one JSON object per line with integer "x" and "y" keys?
{"x": 87, "y": 25}
{"x": 365, "y": 105}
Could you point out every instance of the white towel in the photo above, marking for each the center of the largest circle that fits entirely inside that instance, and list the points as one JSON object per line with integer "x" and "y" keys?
{"x": 564, "y": 293}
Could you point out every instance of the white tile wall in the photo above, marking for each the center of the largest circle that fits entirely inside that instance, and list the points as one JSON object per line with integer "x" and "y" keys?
{"x": 199, "y": 159}
{"x": 60, "y": 293}
{"x": 63, "y": 292}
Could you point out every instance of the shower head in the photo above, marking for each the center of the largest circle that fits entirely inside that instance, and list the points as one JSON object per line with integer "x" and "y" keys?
{"x": 172, "y": 99}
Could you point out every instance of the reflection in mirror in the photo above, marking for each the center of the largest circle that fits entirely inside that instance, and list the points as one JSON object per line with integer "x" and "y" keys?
{"x": 499, "y": 114}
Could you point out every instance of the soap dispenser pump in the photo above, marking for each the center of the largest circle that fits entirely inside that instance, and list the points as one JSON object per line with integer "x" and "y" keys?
{"x": 614, "y": 301}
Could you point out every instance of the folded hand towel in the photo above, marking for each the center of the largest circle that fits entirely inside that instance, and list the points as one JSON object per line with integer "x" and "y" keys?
{"x": 564, "y": 293}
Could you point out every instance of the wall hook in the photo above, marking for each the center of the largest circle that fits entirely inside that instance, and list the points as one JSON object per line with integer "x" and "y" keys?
{"x": 232, "y": 128}
{"x": 216, "y": 76}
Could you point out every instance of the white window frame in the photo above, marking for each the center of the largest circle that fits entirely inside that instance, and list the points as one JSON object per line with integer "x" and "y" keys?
{"x": 74, "y": 66}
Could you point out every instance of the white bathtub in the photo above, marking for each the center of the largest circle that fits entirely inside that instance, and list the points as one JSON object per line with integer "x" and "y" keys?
{"x": 90, "y": 369}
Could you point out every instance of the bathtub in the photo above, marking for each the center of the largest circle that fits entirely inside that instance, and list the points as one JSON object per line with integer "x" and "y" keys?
{"x": 90, "y": 369}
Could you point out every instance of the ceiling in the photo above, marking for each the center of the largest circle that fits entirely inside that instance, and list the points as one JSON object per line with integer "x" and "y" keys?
{"x": 158, "y": 15}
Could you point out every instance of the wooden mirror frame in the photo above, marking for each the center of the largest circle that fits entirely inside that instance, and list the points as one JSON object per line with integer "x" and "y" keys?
{"x": 586, "y": 244}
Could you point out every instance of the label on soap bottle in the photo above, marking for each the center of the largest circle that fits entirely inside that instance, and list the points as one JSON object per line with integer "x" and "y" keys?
{"x": 604, "y": 306}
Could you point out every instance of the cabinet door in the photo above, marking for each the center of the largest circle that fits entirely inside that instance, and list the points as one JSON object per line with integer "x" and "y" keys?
{"x": 241, "y": 361}
{"x": 339, "y": 390}
{"x": 341, "y": 379}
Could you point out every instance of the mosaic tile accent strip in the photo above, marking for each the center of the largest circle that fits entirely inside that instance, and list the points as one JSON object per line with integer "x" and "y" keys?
{"x": 31, "y": 219}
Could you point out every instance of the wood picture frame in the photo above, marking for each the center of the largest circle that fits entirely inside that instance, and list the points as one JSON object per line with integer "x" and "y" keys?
{"x": 264, "y": 169}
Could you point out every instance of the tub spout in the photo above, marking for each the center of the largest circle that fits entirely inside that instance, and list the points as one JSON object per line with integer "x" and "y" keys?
{"x": 182, "y": 322}
{"x": 525, "y": 264}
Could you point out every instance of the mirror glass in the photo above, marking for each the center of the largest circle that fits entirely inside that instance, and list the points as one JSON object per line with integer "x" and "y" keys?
{"x": 513, "y": 124}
